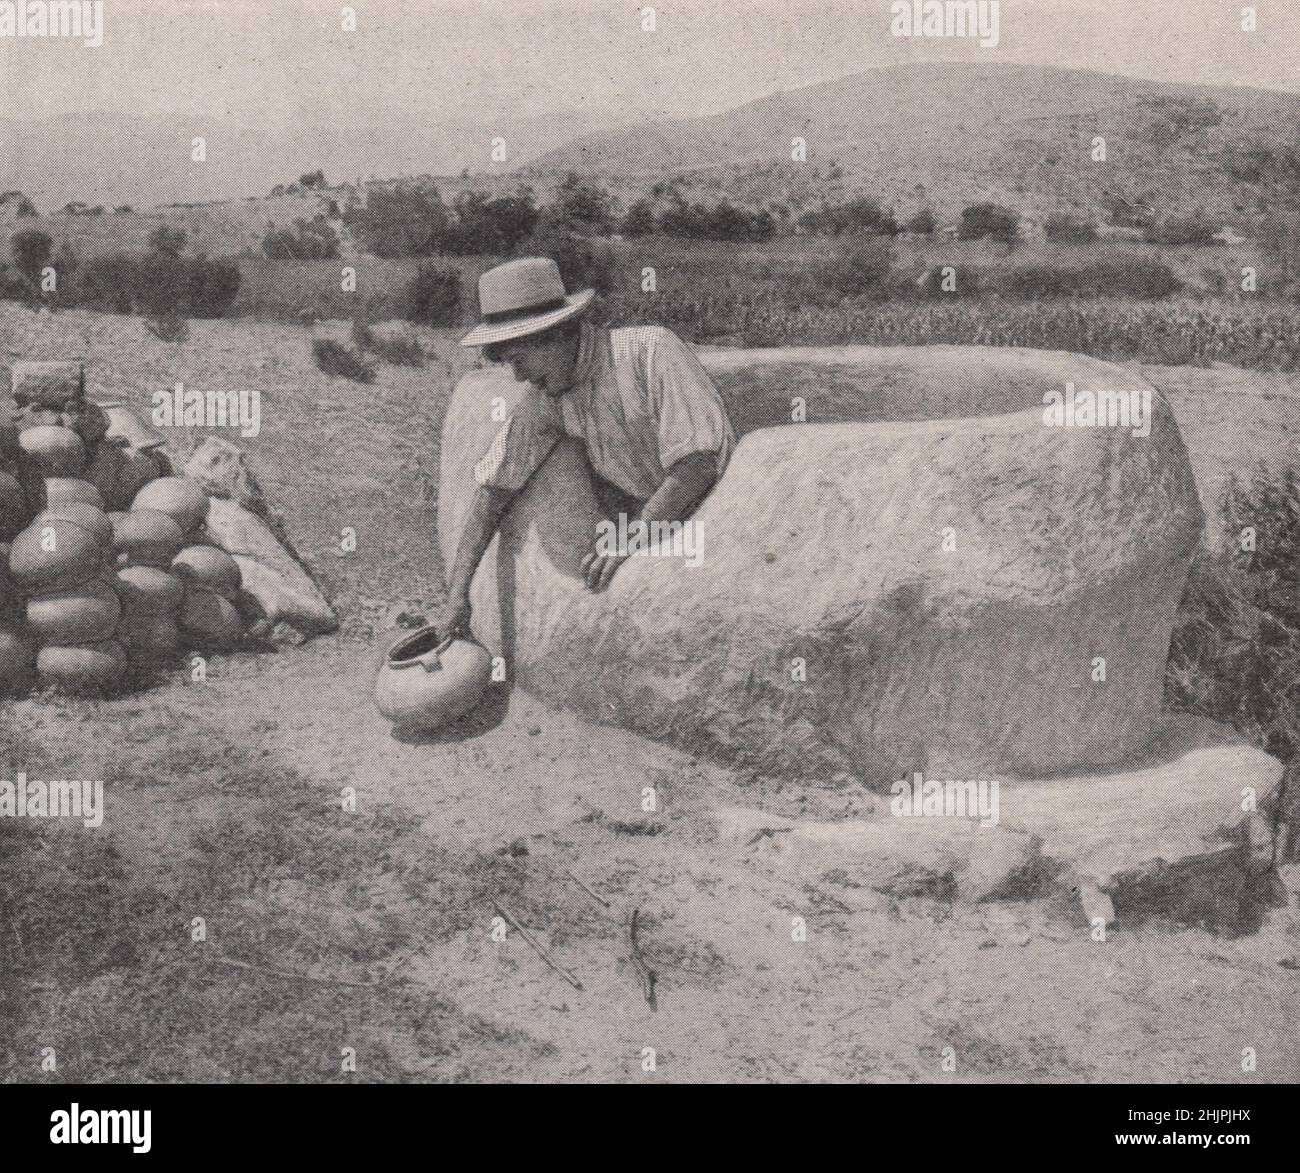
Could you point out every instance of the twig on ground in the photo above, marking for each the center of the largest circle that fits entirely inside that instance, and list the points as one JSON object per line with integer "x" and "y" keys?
{"x": 767, "y": 833}
{"x": 300, "y": 977}
{"x": 647, "y": 975}
{"x": 589, "y": 891}
{"x": 537, "y": 946}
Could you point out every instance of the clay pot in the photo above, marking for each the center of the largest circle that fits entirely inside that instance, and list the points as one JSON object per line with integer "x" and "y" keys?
{"x": 179, "y": 497}
{"x": 90, "y": 518}
{"x": 84, "y": 614}
{"x": 17, "y": 659}
{"x": 56, "y": 451}
{"x": 54, "y": 555}
{"x": 137, "y": 469}
{"x": 210, "y": 620}
{"x": 149, "y": 638}
{"x": 104, "y": 470}
{"x": 38, "y": 417}
{"x": 90, "y": 422}
{"x": 53, "y": 385}
{"x": 13, "y": 507}
{"x": 59, "y": 490}
{"x": 209, "y": 568}
{"x": 427, "y": 683}
{"x": 145, "y": 537}
{"x": 146, "y": 590}
{"x": 83, "y": 668}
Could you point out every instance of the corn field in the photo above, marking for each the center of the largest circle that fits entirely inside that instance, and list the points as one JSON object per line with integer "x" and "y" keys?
{"x": 1263, "y": 336}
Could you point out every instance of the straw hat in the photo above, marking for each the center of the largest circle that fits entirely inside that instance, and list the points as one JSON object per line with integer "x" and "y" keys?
{"x": 523, "y": 297}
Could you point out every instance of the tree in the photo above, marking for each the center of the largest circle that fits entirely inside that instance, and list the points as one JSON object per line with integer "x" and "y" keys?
{"x": 923, "y": 223}
{"x": 167, "y": 240}
{"x": 492, "y": 227}
{"x": 989, "y": 220}
{"x": 31, "y": 250}
{"x": 307, "y": 240}
{"x": 640, "y": 219}
{"x": 408, "y": 220}
{"x": 585, "y": 205}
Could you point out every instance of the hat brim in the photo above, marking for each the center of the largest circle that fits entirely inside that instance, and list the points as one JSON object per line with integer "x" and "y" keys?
{"x": 488, "y": 333}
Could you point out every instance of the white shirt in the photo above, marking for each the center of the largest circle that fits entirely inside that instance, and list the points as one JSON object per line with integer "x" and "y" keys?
{"x": 640, "y": 402}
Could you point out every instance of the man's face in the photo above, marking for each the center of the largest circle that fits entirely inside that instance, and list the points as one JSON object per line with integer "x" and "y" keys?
{"x": 546, "y": 363}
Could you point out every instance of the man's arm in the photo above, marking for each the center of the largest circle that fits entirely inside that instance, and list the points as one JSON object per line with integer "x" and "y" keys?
{"x": 485, "y": 515}
{"x": 683, "y": 488}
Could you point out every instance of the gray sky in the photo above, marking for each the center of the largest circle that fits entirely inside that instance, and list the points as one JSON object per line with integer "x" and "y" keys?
{"x": 264, "y": 60}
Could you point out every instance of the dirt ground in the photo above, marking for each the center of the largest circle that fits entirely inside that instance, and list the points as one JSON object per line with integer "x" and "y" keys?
{"x": 372, "y": 929}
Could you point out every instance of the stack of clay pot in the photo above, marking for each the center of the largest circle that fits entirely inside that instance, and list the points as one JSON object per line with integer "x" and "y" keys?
{"x": 173, "y": 582}
{"x": 88, "y": 591}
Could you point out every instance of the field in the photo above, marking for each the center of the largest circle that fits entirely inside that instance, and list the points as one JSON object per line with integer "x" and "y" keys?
{"x": 373, "y": 930}
{"x": 758, "y": 295}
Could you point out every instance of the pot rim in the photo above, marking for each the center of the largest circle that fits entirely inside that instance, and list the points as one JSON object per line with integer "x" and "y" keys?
{"x": 404, "y": 653}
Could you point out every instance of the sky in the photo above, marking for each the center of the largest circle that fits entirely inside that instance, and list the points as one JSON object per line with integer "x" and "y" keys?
{"x": 258, "y": 61}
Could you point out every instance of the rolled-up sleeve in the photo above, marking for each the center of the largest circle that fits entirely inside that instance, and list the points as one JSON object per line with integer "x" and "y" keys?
{"x": 519, "y": 448}
{"x": 692, "y": 417}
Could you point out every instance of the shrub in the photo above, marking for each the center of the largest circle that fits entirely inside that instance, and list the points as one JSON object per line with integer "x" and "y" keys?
{"x": 307, "y": 240}
{"x": 399, "y": 350}
{"x": 158, "y": 285}
{"x": 313, "y": 180}
{"x": 923, "y": 223}
{"x": 861, "y": 271}
{"x": 432, "y": 296}
{"x": 21, "y": 204}
{"x": 211, "y": 287}
{"x": 723, "y": 221}
{"x": 492, "y": 227}
{"x": 859, "y": 215}
{"x": 337, "y": 361}
{"x": 1235, "y": 654}
{"x": 167, "y": 240}
{"x": 586, "y": 207}
{"x": 640, "y": 219}
{"x": 1067, "y": 229}
{"x": 402, "y": 221}
{"x": 989, "y": 220}
{"x": 14, "y": 286}
{"x": 1176, "y": 230}
{"x": 31, "y": 250}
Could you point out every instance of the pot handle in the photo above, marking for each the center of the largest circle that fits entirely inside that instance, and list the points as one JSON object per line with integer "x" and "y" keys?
{"x": 432, "y": 661}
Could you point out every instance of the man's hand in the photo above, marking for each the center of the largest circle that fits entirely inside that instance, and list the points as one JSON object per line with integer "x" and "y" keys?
{"x": 454, "y": 617}
{"x": 598, "y": 569}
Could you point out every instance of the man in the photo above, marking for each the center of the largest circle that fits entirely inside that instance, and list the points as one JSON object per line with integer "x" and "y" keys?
{"x": 655, "y": 429}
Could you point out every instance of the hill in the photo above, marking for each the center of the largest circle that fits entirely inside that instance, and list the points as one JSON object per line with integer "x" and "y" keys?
{"x": 951, "y": 134}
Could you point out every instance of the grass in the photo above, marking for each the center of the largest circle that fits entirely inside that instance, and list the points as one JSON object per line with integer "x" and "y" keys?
{"x": 100, "y": 963}
{"x": 1235, "y": 654}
